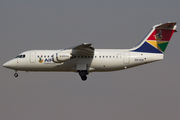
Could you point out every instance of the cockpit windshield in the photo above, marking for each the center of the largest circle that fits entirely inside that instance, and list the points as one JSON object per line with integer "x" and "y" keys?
{"x": 21, "y": 56}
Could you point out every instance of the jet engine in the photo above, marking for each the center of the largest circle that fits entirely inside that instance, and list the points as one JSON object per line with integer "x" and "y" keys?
{"x": 61, "y": 57}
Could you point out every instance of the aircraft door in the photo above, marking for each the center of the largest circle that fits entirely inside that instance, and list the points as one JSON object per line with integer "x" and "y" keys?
{"x": 126, "y": 58}
{"x": 32, "y": 57}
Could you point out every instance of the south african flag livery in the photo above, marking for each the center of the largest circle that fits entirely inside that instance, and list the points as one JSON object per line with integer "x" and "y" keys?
{"x": 157, "y": 39}
{"x": 160, "y": 39}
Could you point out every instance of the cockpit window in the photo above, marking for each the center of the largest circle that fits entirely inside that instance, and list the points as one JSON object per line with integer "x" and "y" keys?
{"x": 21, "y": 56}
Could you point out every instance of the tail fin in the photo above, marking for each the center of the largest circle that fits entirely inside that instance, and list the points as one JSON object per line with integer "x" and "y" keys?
{"x": 157, "y": 39}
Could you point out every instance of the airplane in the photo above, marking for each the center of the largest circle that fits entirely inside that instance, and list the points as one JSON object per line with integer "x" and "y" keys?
{"x": 84, "y": 58}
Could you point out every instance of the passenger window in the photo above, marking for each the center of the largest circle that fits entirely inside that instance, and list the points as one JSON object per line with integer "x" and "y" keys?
{"x": 103, "y": 56}
{"x": 99, "y": 56}
{"x": 106, "y": 56}
{"x": 24, "y": 56}
{"x": 44, "y": 56}
{"x": 109, "y": 56}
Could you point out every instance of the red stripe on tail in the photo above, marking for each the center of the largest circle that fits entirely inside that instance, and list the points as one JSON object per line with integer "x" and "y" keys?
{"x": 161, "y": 35}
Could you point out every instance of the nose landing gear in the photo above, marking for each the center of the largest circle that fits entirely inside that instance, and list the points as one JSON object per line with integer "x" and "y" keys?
{"x": 83, "y": 74}
{"x": 15, "y": 74}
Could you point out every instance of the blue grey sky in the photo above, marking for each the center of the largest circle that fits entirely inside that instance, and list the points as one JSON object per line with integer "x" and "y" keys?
{"x": 148, "y": 92}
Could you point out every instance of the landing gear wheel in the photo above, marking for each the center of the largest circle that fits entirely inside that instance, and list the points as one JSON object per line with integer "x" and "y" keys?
{"x": 15, "y": 75}
{"x": 84, "y": 78}
{"x": 83, "y": 75}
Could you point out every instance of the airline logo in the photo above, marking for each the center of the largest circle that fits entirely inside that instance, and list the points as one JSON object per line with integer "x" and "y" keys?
{"x": 40, "y": 60}
{"x": 157, "y": 39}
{"x": 160, "y": 38}
{"x": 46, "y": 60}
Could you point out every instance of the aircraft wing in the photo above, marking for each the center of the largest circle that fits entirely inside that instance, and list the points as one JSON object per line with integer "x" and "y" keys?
{"x": 85, "y": 48}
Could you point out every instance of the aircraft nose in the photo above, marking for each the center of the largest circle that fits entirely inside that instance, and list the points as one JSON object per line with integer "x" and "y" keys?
{"x": 6, "y": 65}
{"x": 12, "y": 64}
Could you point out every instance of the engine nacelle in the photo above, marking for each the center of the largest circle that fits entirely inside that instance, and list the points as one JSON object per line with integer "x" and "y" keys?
{"x": 61, "y": 57}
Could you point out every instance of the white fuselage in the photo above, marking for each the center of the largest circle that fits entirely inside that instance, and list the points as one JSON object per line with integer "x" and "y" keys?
{"x": 101, "y": 61}
{"x": 84, "y": 58}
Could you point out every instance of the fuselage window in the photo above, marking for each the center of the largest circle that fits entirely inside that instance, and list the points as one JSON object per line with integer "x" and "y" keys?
{"x": 106, "y": 56}
{"x": 113, "y": 57}
{"x": 116, "y": 56}
{"x": 41, "y": 56}
{"x": 103, "y": 56}
{"x": 109, "y": 56}
{"x": 44, "y": 56}
{"x": 48, "y": 56}
{"x": 99, "y": 56}
{"x": 81, "y": 56}
{"x": 38, "y": 56}
{"x": 84, "y": 56}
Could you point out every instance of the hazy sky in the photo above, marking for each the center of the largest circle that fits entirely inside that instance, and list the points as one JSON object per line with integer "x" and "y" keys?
{"x": 148, "y": 92}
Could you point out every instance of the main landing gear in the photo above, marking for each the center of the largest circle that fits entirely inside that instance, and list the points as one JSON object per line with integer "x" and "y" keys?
{"x": 15, "y": 74}
{"x": 83, "y": 74}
